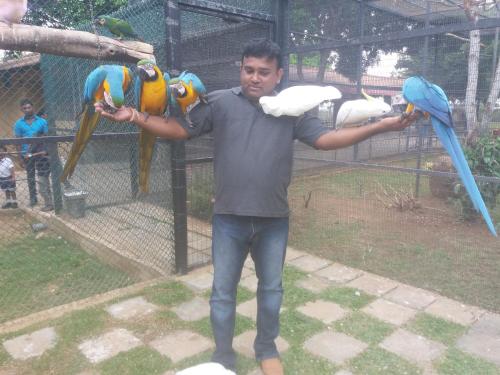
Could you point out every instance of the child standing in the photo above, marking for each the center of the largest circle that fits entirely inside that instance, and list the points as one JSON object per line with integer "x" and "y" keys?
{"x": 7, "y": 179}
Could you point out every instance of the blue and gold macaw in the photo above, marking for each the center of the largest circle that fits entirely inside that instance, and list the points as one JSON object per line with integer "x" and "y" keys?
{"x": 186, "y": 91}
{"x": 107, "y": 84}
{"x": 430, "y": 98}
{"x": 151, "y": 96}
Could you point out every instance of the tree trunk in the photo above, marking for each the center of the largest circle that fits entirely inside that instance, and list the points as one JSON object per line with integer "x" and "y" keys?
{"x": 323, "y": 63}
{"x": 490, "y": 103}
{"x": 472, "y": 77}
{"x": 300, "y": 62}
{"x": 71, "y": 43}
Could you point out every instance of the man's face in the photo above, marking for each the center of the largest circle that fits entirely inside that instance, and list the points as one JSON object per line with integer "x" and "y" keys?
{"x": 27, "y": 110}
{"x": 259, "y": 76}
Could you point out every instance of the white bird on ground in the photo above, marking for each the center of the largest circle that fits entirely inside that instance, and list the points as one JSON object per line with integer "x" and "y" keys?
{"x": 359, "y": 110}
{"x": 12, "y": 11}
{"x": 209, "y": 368}
{"x": 296, "y": 100}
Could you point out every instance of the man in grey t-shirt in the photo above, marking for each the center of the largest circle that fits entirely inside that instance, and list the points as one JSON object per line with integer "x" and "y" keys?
{"x": 252, "y": 166}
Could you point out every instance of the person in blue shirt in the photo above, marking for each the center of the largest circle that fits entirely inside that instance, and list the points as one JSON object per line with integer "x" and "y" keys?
{"x": 30, "y": 125}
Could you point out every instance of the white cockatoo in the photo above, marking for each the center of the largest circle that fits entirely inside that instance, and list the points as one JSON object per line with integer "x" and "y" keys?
{"x": 209, "y": 368}
{"x": 12, "y": 11}
{"x": 296, "y": 100}
{"x": 359, "y": 110}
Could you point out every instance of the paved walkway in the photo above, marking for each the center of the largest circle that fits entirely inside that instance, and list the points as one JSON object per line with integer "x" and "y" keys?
{"x": 389, "y": 304}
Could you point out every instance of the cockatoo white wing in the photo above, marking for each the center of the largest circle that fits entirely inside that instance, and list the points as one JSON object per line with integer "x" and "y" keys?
{"x": 12, "y": 11}
{"x": 209, "y": 368}
{"x": 296, "y": 100}
{"x": 360, "y": 110}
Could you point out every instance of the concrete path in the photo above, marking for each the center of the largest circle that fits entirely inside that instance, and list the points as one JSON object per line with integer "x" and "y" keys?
{"x": 392, "y": 304}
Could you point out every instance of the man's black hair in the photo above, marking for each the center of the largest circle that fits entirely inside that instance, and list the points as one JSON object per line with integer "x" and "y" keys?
{"x": 262, "y": 48}
{"x": 25, "y": 101}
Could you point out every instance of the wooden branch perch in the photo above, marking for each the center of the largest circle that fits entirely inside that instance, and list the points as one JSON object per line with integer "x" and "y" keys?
{"x": 71, "y": 43}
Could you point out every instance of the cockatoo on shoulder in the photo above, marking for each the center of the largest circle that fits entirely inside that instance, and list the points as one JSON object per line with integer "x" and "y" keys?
{"x": 296, "y": 100}
{"x": 357, "y": 111}
{"x": 12, "y": 11}
{"x": 209, "y": 368}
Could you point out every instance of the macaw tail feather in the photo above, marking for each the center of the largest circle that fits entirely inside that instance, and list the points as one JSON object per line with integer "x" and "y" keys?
{"x": 450, "y": 141}
{"x": 88, "y": 123}
{"x": 146, "y": 147}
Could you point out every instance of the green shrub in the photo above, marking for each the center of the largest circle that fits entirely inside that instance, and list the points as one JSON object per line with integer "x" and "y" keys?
{"x": 201, "y": 194}
{"x": 484, "y": 160}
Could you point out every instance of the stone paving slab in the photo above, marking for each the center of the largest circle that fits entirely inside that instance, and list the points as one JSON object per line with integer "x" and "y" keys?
{"x": 339, "y": 273}
{"x": 198, "y": 281}
{"x": 179, "y": 345}
{"x": 196, "y": 309}
{"x": 413, "y": 347}
{"x": 131, "y": 308}
{"x": 309, "y": 263}
{"x": 343, "y": 372}
{"x": 31, "y": 345}
{"x": 373, "y": 284}
{"x": 244, "y": 344}
{"x": 313, "y": 283}
{"x": 483, "y": 338}
{"x": 292, "y": 253}
{"x": 326, "y": 311}
{"x": 409, "y": 296}
{"x": 389, "y": 311}
{"x": 250, "y": 282}
{"x": 249, "y": 263}
{"x": 335, "y": 347}
{"x": 108, "y": 345}
{"x": 248, "y": 309}
{"x": 454, "y": 311}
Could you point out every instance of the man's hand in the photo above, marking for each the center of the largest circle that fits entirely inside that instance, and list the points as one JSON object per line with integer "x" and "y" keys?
{"x": 122, "y": 114}
{"x": 400, "y": 122}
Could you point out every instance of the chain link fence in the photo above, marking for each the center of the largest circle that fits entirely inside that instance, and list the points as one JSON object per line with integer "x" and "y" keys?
{"x": 386, "y": 205}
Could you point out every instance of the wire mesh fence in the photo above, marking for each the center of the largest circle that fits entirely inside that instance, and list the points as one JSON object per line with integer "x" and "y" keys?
{"x": 378, "y": 206}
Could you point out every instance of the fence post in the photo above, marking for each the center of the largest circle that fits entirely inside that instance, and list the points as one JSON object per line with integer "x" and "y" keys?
{"x": 281, "y": 34}
{"x": 178, "y": 150}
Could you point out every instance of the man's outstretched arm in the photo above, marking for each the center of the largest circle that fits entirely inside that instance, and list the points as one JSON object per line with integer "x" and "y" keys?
{"x": 160, "y": 126}
{"x": 346, "y": 137}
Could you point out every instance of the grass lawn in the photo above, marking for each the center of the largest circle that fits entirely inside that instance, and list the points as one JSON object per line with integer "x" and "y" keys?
{"x": 39, "y": 273}
{"x": 343, "y": 216}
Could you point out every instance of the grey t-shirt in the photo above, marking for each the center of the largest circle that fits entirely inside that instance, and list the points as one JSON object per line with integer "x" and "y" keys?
{"x": 253, "y": 152}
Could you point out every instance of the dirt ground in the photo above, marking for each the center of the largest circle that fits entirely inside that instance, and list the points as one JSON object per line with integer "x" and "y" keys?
{"x": 14, "y": 224}
{"x": 428, "y": 247}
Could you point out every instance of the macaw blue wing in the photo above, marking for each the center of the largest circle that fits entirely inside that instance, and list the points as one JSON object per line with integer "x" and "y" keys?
{"x": 430, "y": 98}
{"x": 92, "y": 83}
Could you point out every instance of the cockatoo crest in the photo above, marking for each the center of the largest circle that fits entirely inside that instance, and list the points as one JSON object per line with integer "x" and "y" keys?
{"x": 296, "y": 100}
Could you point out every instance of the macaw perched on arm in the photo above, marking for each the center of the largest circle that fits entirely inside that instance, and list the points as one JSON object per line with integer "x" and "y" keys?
{"x": 117, "y": 27}
{"x": 151, "y": 97}
{"x": 430, "y": 98}
{"x": 108, "y": 84}
{"x": 186, "y": 91}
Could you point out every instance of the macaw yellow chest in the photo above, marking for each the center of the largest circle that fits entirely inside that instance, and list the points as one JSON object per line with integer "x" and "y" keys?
{"x": 154, "y": 97}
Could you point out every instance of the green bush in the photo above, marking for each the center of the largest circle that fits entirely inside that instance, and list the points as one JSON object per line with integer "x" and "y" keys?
{"x": 484, "y": 160}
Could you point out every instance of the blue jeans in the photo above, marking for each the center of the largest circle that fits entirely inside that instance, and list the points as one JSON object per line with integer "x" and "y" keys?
{"x": 232, "y": 238}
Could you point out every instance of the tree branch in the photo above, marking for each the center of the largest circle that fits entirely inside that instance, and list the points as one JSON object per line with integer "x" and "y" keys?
{"x": 71, "y": 43}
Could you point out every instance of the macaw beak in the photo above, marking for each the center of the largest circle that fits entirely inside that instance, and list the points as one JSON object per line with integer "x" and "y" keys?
{"x": 411, "y": 107}
{"x": 146, "y": 72}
